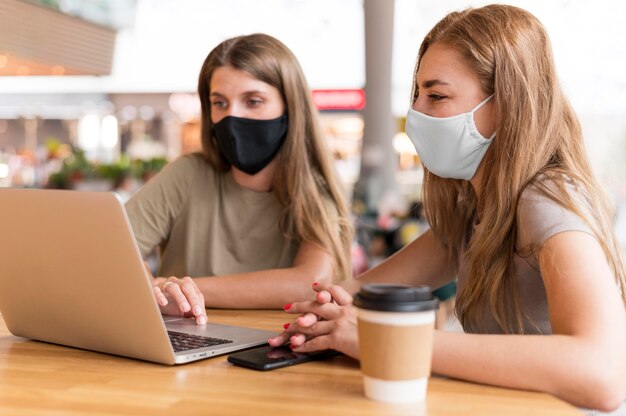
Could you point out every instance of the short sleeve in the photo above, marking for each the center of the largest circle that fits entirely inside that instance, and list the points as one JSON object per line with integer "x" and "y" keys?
{"x": 153, "y": 209}
{"x": 540, "y": 217}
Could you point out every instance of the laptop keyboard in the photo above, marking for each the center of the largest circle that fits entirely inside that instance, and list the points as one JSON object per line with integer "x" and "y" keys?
{"x": 183, "y": 342}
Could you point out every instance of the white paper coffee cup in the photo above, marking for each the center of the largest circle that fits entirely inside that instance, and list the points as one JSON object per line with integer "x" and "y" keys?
{"x": 395, "y": 345}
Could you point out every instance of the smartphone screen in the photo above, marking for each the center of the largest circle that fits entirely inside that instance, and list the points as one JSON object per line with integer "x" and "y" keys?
{"x": 269, "y": 358}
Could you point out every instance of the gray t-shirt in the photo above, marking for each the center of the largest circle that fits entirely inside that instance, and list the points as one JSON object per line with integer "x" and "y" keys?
{"x": 206, "y": 224}
{"x": 538, "y": 219}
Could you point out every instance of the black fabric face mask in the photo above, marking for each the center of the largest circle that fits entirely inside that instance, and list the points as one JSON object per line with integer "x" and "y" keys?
{"x": 249, "y": 144}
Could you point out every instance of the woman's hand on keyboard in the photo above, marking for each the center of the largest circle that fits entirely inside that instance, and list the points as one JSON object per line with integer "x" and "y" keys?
{"x": 180, "y": 297}
{"x": 328, "y": 322}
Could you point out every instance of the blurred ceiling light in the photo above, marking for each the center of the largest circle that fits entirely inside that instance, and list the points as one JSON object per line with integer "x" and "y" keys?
{"x": 57, "y": 70}
{"x": 89, "y": 132}
{"x": 109, "y": 132}
{"x": 4, "y": 170}
{"x": 11, "y": 65}
{"x": 22, "y": 71}
{"x": 403, "y": 145}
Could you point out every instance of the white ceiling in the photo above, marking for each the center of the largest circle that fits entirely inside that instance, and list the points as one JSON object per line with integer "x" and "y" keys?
{"x": 165, "y": 48}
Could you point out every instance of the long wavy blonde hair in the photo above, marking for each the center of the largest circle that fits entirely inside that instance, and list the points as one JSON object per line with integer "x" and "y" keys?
{"x": 537, "y": 134}
{"x": 305, "y": 178}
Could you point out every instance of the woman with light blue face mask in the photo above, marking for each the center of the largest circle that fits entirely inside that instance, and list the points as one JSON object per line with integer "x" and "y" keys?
{"x": 517, "y": 218}
{"x": 450, "y": 147}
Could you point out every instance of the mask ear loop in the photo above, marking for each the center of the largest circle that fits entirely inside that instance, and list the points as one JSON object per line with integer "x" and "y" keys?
{"x": 483, "y": 102}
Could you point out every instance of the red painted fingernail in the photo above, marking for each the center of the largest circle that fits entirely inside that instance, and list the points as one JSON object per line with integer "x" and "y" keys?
{"x": 286, "y": 326}
{"x": 287, "y": 306}
{"x": 315, "y": 284}
{"x": 292, "y": 347}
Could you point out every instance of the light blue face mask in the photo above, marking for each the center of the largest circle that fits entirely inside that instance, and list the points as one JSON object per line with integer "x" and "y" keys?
{"x": 449, "y": 147}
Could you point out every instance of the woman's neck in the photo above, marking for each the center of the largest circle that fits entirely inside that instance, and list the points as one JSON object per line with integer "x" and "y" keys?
{"x": 262, "y": 181}
{"x": 477, "y": 179}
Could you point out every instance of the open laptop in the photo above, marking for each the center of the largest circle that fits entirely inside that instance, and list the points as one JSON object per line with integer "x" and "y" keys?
{"x": 71, "y": 274}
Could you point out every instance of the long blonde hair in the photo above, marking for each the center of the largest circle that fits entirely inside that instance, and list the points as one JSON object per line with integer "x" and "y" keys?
{"x": 305, "y": 178}
{"x": 537, "y": 135}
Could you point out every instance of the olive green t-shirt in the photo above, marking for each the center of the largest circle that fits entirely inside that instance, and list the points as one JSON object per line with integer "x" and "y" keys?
{"x": 206, "y": 224}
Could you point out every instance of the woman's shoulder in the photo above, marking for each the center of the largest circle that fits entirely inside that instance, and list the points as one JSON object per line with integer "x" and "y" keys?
{"x": 190, "y": 166}
{"x": 555, "y": 189}
{"x": 182, "y": 175}
{"x": 551, "y": 204}
{"x": 190, "y": 162}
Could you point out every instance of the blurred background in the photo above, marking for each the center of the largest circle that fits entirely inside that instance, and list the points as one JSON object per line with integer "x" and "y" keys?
{"x": 100, "y": 94}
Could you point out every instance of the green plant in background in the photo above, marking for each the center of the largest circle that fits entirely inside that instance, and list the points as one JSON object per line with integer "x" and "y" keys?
{"x": 145, "y": 169}
{"x": 114, "y": 172}
{"x": 76, "y": 168}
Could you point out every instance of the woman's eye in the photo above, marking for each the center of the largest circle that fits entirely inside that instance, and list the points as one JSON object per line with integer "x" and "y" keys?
{"x": 254, "y": 102}
{"x": 219, "y": 104}
{"x": 436, "y": 97}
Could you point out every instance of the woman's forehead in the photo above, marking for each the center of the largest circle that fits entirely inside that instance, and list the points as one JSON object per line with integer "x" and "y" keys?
{"x": 229, "y": 78}
{"x": 443, "y": 63}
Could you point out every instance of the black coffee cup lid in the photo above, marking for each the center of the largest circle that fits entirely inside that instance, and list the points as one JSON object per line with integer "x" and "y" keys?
{"x": 395, "y": 298}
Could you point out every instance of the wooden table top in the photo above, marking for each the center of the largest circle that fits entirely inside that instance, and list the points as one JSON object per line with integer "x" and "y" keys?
{"x": 40, "y": 378}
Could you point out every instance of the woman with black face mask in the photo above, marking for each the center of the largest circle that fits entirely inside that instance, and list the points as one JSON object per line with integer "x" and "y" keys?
{"x": 259, "y": 215}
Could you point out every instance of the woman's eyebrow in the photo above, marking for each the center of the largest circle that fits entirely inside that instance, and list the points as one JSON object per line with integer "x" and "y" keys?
{"x": 432, "y": 82}
{"x": 252, "y": 92}
{"x": 244, "y": 93}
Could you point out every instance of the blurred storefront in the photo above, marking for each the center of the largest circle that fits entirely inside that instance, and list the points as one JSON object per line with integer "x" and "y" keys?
{"x": 64, "y": 122}
{"x": 106, "y": 87}
{"x": 37, "y": 132}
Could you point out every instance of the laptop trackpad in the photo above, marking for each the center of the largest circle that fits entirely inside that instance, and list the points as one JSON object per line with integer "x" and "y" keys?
{"x": 230, "y": 332}
{"x": 172, "y": 318}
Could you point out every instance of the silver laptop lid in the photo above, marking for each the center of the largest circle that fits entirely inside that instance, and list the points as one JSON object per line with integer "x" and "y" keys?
{"x": 55, "y": 244}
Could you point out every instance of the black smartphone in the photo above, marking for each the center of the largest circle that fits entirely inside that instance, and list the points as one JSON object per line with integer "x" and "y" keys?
{"x": 268, "y": 358}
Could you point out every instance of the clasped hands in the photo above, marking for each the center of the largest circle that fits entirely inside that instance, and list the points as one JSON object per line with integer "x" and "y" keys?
{"x": 328, "y": 322}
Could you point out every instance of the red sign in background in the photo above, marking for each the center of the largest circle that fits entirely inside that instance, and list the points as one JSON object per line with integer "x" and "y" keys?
{"x": 353, "y": 99}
